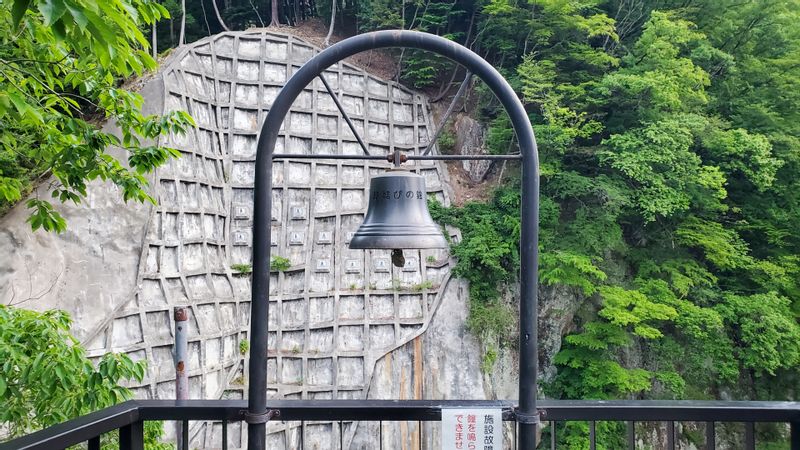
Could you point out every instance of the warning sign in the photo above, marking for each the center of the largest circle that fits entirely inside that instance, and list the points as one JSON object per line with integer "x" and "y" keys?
{"x": 472, "y": 429}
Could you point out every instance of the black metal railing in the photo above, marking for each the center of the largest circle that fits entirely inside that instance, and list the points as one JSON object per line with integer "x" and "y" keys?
{"x": 129, "y": 417}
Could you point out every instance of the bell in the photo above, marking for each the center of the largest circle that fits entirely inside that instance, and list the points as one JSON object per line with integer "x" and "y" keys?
{"x": 398, "y": 216}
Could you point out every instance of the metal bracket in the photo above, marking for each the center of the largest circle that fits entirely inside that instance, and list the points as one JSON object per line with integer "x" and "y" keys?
{"x": 264, "y": 417}
{"x": 524, "y": 418}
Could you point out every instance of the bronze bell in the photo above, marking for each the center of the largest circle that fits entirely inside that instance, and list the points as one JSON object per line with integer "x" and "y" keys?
{"x": 398, "y": 216}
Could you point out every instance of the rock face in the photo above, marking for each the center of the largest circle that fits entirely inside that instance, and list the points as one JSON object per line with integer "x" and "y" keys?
{"x": 91, "y": 269}
{"x": 557, "y": 308}
{"x": 442, "y": 363}
{"x": 470, "y": 140}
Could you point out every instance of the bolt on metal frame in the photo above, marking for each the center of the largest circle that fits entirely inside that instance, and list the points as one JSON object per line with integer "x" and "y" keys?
{"x": 527, "y": 416}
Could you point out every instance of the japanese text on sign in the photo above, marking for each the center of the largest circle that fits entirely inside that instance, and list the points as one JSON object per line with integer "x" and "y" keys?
{"x": 397, "y": 195}
{"x": 472, "y": 429}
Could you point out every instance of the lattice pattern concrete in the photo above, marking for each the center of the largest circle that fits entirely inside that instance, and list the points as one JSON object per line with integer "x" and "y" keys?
{"x": 336, "y": 311}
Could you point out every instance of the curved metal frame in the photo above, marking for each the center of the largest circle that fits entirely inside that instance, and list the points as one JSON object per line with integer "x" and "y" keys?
{"x": 527, "y": 414}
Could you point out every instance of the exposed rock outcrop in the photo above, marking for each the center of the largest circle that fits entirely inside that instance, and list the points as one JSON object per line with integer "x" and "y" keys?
{"x": 470, "y": 139}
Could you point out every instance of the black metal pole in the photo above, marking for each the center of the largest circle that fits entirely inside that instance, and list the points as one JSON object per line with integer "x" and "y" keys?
{"x": 527, "y": 415}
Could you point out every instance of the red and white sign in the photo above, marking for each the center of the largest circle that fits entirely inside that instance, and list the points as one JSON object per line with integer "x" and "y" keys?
{"x": 472, "y": 429}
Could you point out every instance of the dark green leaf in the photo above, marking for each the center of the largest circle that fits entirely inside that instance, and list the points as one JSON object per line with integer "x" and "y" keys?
{"x": 18, "y": 11}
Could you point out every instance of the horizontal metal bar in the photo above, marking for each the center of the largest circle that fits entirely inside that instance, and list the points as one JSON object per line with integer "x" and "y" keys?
{"x": 87, "y": 427}
{"x": 77, "y": 430}
{"x": 410, "y": 157}
{"x": 665, "y": 410}
{"x": 334, "y": 410}
{"x": 463, "y": 157}
{"x": 319, "y": 156}
{"x": 231, "y": 410}
{"x": 622, "y": 410}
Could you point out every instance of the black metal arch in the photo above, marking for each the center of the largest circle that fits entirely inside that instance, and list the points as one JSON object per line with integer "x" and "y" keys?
{"x": 527, "y": 414}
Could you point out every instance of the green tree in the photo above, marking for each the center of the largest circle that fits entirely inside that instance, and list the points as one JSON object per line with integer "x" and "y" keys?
{"x": 62, "y": 63}
{"x": 46, "y": 378}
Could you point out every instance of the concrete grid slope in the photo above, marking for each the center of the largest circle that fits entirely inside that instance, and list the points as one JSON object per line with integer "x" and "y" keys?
{"x": 335, "y": 312}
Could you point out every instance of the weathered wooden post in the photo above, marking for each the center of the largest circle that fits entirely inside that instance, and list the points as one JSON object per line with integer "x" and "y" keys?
{"x": 181, "y": 372}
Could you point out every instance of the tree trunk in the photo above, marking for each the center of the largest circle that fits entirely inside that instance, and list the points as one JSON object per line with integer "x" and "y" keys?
{"x": 333, "y": 20}
{"x": 182, "y": 38}
{"x": 219, "y": 17}
{"x": 258, "y": 16}
{"x": 274, "y": 21}
{"x": 205, "y": 17}
{"x": 155, "y": 42}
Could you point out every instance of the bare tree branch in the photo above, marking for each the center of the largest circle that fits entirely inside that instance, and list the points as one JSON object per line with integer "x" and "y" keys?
{"x": 257, "y": 14}
{"x": 333, "y": 20}
{"x": 219, "y": 17}
{"x": 182, "y": 37}
{"x": 205, "y": 18}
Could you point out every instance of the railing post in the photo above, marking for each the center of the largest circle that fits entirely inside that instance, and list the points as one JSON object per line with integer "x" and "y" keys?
{"x": 671, "y": 435}
{"x": 750, "y": 435}
{"x": 224, "y": 434}
{"x": 711, "y": 436}
{"x": 131, "y": 437}
{"x": 631, "y": 430}
{"x": 94, "y": 443}
{"x": 181, "y": 371}
{"x": 795, "y": 435}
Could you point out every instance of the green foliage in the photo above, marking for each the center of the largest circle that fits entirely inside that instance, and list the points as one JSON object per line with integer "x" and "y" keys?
{"x": 280, "y": 263}
{"x": 657, "y": 159}
{"x": 670, "y": 197}
{"x": 722, "y": 247}
{"x": 575, "y": 435}
{"x": 277, "y": 263}
{"x": 427, "y": 284}
{"x": 767, "y": 337}
{"x": 446, "y": 142}
{"x": 244, "y": 346}
{"x": 61, "y": 63}
{"x": 488, "y": 255}
{"x": 489, "y": 358}
{"x": 242, "y": 268}
{"x": 570, "y": 269}
{"x": 46, "y": 377}
{"x": 632, "y": 309}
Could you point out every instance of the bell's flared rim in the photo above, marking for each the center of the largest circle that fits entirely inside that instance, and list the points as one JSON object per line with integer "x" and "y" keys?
{"x": 391, "y": 242}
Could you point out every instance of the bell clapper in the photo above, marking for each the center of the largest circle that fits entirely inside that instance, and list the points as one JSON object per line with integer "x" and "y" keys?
{"x": 397, "y": 258}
